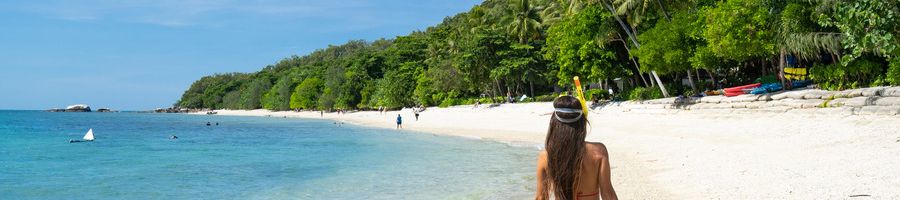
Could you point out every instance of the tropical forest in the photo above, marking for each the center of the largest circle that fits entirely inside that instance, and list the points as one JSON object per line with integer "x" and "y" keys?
{"x": 530, "y": 50}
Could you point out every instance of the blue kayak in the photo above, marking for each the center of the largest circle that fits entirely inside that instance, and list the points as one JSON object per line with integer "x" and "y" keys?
{"x": 766, "y": 88}
{"x": 800, "y": 84}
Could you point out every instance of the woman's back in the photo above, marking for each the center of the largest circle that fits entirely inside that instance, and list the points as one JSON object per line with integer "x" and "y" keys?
{"x": 569, "y": 167}
{"x": 594, "y": 180}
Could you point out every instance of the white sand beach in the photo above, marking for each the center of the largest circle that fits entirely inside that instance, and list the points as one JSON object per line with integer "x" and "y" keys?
{"x": 691, "y": 154}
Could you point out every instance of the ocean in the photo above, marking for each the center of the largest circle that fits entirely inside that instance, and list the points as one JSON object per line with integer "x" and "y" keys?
{"x": 133, "y": 157}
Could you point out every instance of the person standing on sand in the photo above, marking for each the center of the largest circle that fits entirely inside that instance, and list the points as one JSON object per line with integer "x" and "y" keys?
{"x": 399, "y": 122}
{"x": 569, "y": 167}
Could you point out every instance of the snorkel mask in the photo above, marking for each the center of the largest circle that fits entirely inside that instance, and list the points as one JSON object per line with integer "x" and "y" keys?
{"x": 583, "y": 112}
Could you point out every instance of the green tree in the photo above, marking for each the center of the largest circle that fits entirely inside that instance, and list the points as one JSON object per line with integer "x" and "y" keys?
{"x": 306, "y": 94}
{"x": 573, "y": 46}
{"x": 666, "y": 45}
{"x": 740, "y": 30}
{"x": 232, "y": 100}
{"x": 867, "y": 26}
{"x": 278, "y": 98}
{"x": 629, "y": 31}
{"x": 396, "y": 89}
{"x": 252, "y": 95}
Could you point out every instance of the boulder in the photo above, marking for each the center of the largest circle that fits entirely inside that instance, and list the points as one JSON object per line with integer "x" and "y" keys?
{"x": 712, "y": 99}
{"x": 745, "y": 98}
{"x": 849, "y": 93}
{"x": 853, "y": 102}
{"x": 800, "y": 103}
{"x": 887, "y": 101}
{"x": 817, "y": 94}
{"x": 756, "y": 104}
{"x": 835, "y": 103}
{"x": 729, "y": 99}
{"x": 879, "y": 110}
{"x": 764, "y": 97}
{"x": 812, "y": 103}
{"x": 739, "y": 105}
{"x": 796, "y": 94}
{"x": 891, "y": 92}
{"x": 719, "y": 106}
{"x": 777, "y": 103}
{"x": 872, "y": 92}
{"x": 793, "y": 103}
{"x": 778, "y": 96}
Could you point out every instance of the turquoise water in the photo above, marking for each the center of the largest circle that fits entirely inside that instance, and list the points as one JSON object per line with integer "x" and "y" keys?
{"x": 246, "y": 158}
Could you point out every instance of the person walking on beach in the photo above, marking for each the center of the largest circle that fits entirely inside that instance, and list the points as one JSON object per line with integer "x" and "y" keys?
{"x": 569, "y": 167}
{"x": 399, "y": 122}
{"x": 417, "y": 115}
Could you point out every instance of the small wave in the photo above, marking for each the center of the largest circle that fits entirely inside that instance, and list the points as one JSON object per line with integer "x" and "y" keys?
{"x": 471, "y": 137}
{"x": 537, "y": 146}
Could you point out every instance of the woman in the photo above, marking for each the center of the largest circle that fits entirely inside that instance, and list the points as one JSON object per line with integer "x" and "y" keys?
{"x": 570, "y": 168}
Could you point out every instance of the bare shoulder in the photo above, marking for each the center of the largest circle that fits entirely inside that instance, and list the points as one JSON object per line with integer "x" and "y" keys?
{"x": 542, "y": 158}
{"x": 597, "y": 150}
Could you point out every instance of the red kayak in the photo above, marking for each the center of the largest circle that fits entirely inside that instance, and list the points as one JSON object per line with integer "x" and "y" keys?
{"x": 741, "y": 88}
{"x": 736, "y": 93}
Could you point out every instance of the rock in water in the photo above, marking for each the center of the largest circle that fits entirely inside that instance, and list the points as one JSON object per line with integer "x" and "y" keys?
{"x": 78, "y": 108}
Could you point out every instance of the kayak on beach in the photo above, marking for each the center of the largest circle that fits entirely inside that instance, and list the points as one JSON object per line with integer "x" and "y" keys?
{"x": 741, "y": 88}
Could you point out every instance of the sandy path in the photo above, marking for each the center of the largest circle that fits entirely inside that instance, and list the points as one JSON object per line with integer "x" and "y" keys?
{"x": 691, "y": 155}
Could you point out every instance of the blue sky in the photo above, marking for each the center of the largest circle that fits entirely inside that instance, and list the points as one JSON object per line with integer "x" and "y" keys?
{"x": 142, "y": 54}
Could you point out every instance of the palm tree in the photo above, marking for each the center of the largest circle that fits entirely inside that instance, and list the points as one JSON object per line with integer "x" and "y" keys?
{"x": 633, "y": 38}
{"x": 795, "y": 36}
{"x": 552, "y": 13}
{"x": 524, "y": 20}
{"x": 575, "y": 5}
{"x": 638, "y": 9}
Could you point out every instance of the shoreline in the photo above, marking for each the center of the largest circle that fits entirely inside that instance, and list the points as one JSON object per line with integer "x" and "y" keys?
{"x": 691, "y": 153}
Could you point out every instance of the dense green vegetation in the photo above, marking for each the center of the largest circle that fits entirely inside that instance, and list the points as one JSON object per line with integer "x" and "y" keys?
{"x": 639, "y": 48}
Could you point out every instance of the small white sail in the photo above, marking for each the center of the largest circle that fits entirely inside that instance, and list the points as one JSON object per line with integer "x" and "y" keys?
{"x": 90, "y": 135}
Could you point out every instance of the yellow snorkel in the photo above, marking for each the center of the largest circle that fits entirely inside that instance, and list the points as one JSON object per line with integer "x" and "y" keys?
{"x": 580, "y": 96}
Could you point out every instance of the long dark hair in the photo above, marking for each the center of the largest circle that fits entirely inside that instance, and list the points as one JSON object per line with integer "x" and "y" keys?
{"x": 565, "y": 148}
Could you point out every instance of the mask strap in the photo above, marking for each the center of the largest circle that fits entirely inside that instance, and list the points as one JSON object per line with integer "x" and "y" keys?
{"x": 567, "y": 110}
